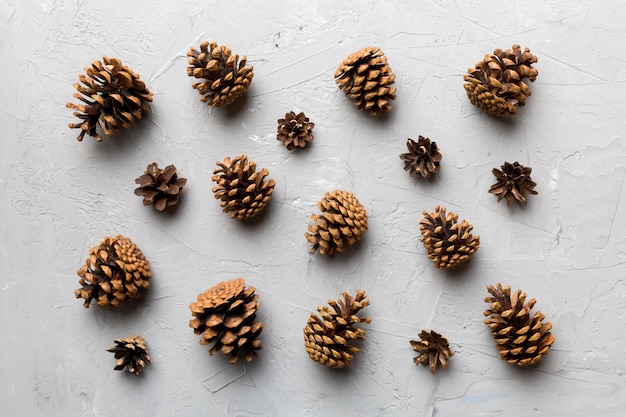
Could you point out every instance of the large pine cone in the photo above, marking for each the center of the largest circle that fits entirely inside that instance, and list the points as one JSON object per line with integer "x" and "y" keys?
{"x": 513, "y": 183}
{"x": 114, "y": 272}
{"x": 243, "y": 191}
{"x": 433, "y": 350}
{"x": 367, "y": 79}
{"x": 295, "y": 130}
{"x": 495, "y": 85}
{"x": 224, "y": 80}
{"x": 225, "y": 315}
{"x": 522, "y": 339}
{"x": 113, "y": 96}
{"x": 423, "y": 157}
{"x": 447, "y": 241}
{"x": 341, "y": 224}
{"x": 160, "y": 187}
{"x": 327, "y": 338}
{"x": 131, "y": 353}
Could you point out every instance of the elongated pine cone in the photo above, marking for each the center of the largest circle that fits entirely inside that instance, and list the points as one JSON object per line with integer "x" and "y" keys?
{"x": 114, "y": 272}
{"x": 328, "y": 337}
{"x": 243, "y": 191}
{"x": 367, "y": 80}
{"x": 522, "y": 339}
{"x": 447, "y": 241}
{"x": 113, "y": 97}
{"x": 433, "y": 350}
{"x": 295, "y": 130}
{"x": 160, "y": 187}
{"x": 131, "y": 353}
{"x": 496, "y": 85}
{"x": 226, "y": 78}
{"x": 225, "y": 315}
{"x": 341, "y": 224}
{"x": 423, "y": 157}
{"x": 513, "y": 183}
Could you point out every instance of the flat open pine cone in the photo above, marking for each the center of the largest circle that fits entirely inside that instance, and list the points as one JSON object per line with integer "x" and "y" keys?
{"x": 522, "y": 339}
{"x": 433, "y": 350}
{"x": 224, "y": 80}
{"x": 341, "y": 224}
{"x": 367, "y": 79}
{"x": 295, "y": 130}
{"x": 113, "y": 97}
{"x": 225, "y": 315}
{"x": 131, "y": 353}
{"x": 423, "y": 157}
{"x": 327, "y": 337}
{"x": 114, "y": 272}
{"x": 495, "y": 85}
{"x": 160, "y": 187}
{"x": 513, "y": 183}
{"x": 447, "y": 241}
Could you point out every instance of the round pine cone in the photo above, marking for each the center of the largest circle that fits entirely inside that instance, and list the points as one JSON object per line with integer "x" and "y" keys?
{"x": 132, "y": 353}
{"x": 295, "y": 130}
{"x": 513, "y": 183}
{"x": 160, "y": 187}
{"x": 341, "y": 224}
{"x": 327, "y": 338}
{"x": 367, "y": 79}
{"x": 423, "y": 157}
{"x": 225, "y": 315}
{"x": 433, "y": 350}
{"x": 522, "y": 339}
{"x": 495, "y": 85}
{"x": 447, "y": 241}
{"x": 243, "y": 191}
{"x": 112, "y": 96}
{"x": 114, "y": 272}
{"x": 224, "y": 80}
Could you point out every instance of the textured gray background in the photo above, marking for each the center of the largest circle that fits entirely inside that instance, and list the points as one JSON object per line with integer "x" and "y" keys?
{"x": 59, "y": 197}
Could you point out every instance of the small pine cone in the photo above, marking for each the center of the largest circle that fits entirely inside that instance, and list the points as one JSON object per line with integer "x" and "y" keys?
{"x": 224, "y": 80}
{"x": 160, "y": 187}
{"x": 114, "y": 272}
{"x": 327, "y": 338}
{"x": 433, "y": 350}
{"x": 513, "y": 183}
{"x": 131, "y": 352}
{"x": 522, "y": 339}
{"x": 447, "y": 241}
{"x": 423, "y": 157}
{"x": 113, "y": 96}
{"x": 495, "y": 85}
{"x": 295, "y": 130}
{"x": 243, "y": 191}
{"x": 225, "y": 315}
{"x": 367, "y": 79}
{"x": 341, "y": 224}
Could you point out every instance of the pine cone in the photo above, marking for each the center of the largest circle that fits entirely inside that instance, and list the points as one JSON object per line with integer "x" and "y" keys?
{"x": 495, "y": 85}
{"x": 341, "y": 224}
{"x": 522, "y": 339}
{"x": 113, "y": 96}
{"x": 243, "y": 191}
{"x": 366, "y": 78}
{"x": 327, "y": 338}
{"x": 225, "y": 315}
{"x": 224, "y": 80}
{"x": 295, "y": 130}
{"x": 513, "y": 183}
{"x": 433, "y": 350}
{"x": 447, "y": 241}
{"x": 131, "y": 352}
{"x": 114, "y": 272}
{"x": 160, "y": 187}
{"x": 423, "y": 157}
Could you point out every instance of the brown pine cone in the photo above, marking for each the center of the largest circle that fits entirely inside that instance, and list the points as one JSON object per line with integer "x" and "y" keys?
{"x": 495, "y": 85}
{"x": 327, "y": 338}
{"x": 131, "y": 353}
{"x": 295, "y": 131}
{"x": 113, "y": 95}
{"x": 224, "y": 80}
{"x": 367, "y": 79}
{"x": 114, "y": 272}
{"x": 433, "y": 350}
{"x": 341, "y": 224}
{"x": 160, "y": 187}
{"x": 513, "y": 183}
{"x": 447, "y": 241}
{"x": 423, "y": 157}
{"x": 522, "y": 339}
{"x": 225, "y": 315}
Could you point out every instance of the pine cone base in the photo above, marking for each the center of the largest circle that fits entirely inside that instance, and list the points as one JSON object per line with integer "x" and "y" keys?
{"x": 131, "y": 353}
{"x": 160, "y": 187}
{"x": 433, "y": 350}
{"x": 513, "y": 183}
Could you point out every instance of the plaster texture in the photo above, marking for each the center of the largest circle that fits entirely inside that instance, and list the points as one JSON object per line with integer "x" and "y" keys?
{"x": 59, "y": 197}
